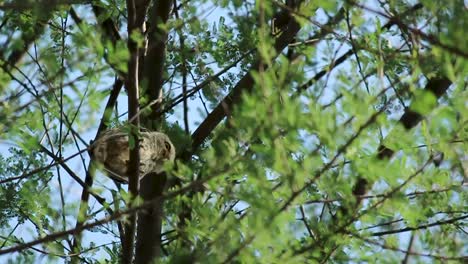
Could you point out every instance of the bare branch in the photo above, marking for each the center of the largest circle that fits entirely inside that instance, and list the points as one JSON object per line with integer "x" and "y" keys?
{"x": 406, "y": 229}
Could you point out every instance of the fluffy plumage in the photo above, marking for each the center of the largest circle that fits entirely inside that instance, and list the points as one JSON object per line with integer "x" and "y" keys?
{"x": 112, "y": 151}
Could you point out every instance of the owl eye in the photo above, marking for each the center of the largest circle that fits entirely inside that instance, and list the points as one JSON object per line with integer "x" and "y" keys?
{"x": 168, "y": 146}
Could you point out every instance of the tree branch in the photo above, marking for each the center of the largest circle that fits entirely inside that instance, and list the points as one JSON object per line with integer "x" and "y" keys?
{"x": 246, "y": 84}
{"x": 135, "y": 24}
{"x": 153, "y": 70}
{"x": 148, "y": 244}
{"x": 406, "y": 229}
{"x": 117, "y": 215}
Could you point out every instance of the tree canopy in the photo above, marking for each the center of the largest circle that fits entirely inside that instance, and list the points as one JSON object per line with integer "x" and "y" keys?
{"x": 305, "y": 131}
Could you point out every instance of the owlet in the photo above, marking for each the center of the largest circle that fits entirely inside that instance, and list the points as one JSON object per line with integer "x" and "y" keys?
{"x": 112, "y": 151}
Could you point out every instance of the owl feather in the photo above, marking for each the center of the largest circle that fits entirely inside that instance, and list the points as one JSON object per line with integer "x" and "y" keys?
{"x": 111, "y": 150}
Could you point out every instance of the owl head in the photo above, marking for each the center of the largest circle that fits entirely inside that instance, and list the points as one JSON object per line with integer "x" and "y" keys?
{"x": 164, "y": 147}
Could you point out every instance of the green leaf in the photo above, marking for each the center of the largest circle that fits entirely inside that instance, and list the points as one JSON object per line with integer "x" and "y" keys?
{"x": 423, "y": 102}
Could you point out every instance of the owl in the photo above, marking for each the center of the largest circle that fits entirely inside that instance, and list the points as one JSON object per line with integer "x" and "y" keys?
{"x": 111, "y": 150}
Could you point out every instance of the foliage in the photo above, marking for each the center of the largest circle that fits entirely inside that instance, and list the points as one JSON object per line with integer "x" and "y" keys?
{"x": 348, "y": 145}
